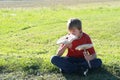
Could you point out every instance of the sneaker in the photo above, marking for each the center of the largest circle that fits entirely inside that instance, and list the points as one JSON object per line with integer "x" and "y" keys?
{"x": 62, "y": 71}
{"x": 85, "y": 72}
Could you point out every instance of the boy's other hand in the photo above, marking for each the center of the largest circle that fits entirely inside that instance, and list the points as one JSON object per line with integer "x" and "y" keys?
{"x": 62, "y": 48}
{"x": 89, "y": 57}
{"x": 68, "y": 45}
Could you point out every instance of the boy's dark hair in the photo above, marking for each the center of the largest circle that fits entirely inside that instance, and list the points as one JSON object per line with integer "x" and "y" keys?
{"x": 74, "y": 22}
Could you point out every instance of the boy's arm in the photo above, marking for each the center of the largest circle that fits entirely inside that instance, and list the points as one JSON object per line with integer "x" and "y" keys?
{"x": 92, "y": 54}
{"x": 62, "y": 49}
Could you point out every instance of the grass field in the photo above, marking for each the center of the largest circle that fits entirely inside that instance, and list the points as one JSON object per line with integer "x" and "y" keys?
{"x": 28, "y": 40}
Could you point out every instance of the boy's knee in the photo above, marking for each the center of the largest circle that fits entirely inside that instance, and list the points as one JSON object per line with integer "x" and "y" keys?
{"x": 54, "y": 59}
{"x": 96, "y": 62}
{"x": 99, "y": 61}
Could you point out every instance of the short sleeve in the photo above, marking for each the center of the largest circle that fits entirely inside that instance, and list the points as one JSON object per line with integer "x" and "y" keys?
{"x": 90, "y": 50}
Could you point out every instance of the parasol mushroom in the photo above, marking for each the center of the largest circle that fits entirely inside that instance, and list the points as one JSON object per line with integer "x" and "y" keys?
{"x": 84, "y": 47}
{"x": 66, "y": 39}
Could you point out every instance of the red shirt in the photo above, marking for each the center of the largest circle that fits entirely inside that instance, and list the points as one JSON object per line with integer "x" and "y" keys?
{"x": 85, "y": 39}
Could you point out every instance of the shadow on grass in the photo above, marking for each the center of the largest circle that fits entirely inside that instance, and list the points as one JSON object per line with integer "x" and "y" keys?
{"x": 32, "y": 69}
{"x": 100, "y": 74}
{"x": 2, "y": 68}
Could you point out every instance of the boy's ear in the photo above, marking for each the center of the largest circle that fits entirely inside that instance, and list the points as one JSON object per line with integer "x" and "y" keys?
{"x": 80, "y": 30}
{"x": 68, "y": 32}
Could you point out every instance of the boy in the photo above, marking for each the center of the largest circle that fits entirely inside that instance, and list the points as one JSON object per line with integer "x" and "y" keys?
{"x": 75, "y": 60}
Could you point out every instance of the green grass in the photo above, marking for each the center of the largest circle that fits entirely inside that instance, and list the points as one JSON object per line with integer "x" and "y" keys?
{"x": 28, "y": 40}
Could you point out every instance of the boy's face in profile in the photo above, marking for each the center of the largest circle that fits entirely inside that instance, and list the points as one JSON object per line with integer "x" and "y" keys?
{"x": 75, "y": 31}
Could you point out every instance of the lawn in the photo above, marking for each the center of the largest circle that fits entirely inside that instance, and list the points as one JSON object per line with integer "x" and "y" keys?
{"x": 28, "y": 40}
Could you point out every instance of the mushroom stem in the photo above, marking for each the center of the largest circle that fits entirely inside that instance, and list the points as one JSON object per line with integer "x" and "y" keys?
{"x": 87, "y": 60}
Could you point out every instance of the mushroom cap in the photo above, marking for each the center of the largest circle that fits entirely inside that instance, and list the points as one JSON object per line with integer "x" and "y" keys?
{"x": 84, "y": 46}
{"x": 66, "y": 39}
{"x": 62, "y": 40}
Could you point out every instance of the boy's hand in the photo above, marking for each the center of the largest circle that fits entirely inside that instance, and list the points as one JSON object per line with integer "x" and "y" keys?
{"x": 68, "y": 45}
{"x": 89, "y": 57}
{"x": 62, "y": 48}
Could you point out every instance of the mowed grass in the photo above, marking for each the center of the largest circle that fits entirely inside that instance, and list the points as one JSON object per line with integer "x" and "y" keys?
{"x": 28, "y": 40}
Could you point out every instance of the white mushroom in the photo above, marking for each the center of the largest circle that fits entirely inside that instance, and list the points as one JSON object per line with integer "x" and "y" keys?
{"x": 84, "y": 47}
{"x": 66, "y": 39}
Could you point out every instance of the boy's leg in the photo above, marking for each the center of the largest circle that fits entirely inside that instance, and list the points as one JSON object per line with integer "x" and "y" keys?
{"x": 64, "y": 64}
{"x": 95, "y": 63}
